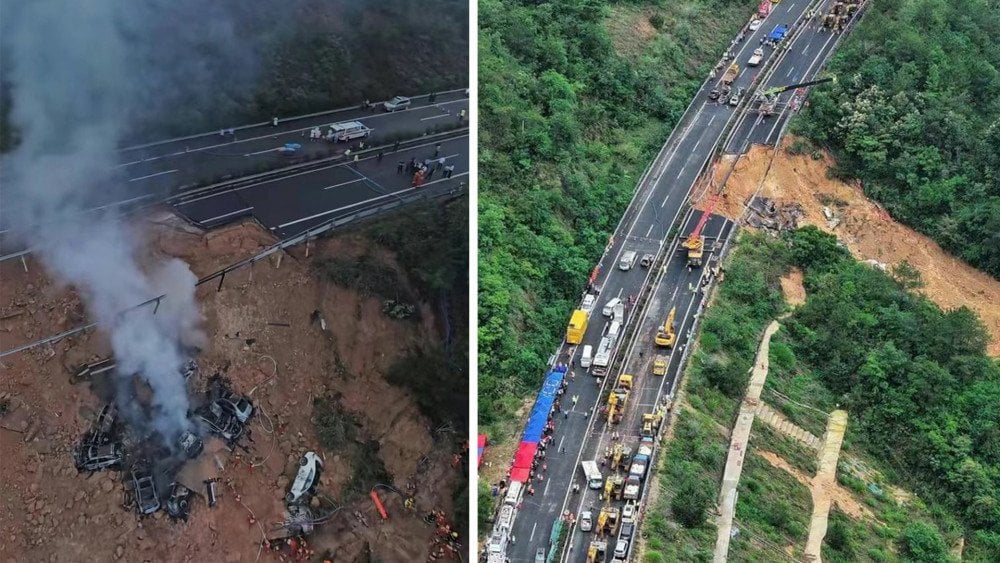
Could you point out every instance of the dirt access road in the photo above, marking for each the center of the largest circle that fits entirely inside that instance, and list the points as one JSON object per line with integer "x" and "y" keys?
{"x": 49, "y": 511}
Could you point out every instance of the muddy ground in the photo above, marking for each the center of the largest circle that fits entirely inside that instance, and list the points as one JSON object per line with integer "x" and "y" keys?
{"x": 868, "y": 231}
{"x": 50, "y": 513}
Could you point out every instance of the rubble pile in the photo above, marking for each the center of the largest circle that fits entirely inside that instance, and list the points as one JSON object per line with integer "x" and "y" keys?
{"x": 766, "y": 213}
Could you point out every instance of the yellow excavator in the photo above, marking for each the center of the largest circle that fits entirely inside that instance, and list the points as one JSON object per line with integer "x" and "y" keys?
{"x": 618, "y": 397}
{"x": 666, "y": 336}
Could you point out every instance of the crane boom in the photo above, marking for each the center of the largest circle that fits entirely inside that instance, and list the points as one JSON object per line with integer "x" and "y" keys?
{"x": 780, "y": 89}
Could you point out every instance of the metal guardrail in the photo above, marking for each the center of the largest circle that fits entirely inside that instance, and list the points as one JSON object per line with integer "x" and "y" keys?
{"x": 304, "y": 236}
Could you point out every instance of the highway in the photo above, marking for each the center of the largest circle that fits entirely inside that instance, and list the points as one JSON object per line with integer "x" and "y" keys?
{"x": 292, "y": 203}
{"x": 645, "y": 227}
{"x": 150, "y": 172}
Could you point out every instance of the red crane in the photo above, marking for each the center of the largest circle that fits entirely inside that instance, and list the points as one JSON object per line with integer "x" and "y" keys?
{"x": 695, "y": 243}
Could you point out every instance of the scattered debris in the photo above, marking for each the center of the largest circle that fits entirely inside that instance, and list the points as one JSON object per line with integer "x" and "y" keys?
{"x": 765, "y": 213}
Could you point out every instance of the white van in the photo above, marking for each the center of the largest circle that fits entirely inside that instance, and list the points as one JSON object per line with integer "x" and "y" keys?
{"x": 348, "y": 130}
{"x": 627, "y": 260}
{"x": 609, "y": 307}
{"x": 586, "y": 356}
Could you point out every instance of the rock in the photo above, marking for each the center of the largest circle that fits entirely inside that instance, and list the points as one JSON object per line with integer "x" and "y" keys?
{"x": 33, "y": 487}
{"x": 79, "y": 495}
{"x": 282, "y": 481}
{"x": 119, "y": 551}
{"x": 314, "y": 502}
{"x": 107, "y": 485}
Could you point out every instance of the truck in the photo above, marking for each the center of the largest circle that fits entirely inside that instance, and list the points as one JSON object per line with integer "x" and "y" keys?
{"x": 603, "y": 357}
{"x": 589, "y": 301}
{"x": 632, "y": 486}
{"x": 764, "y": 8}
{"x": 618, "y": 398}
{"x": 577, "y": 326}
{"x": 593, "y": 474}
{"x": 758, "y": 55}
{"x": 731, "y": 73}
{"x": 639, "y": 464}
{"x": 660, "y": 365}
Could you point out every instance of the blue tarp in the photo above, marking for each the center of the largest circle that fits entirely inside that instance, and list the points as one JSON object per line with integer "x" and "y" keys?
{"x": 778, "y": 33}
{"x": 543, "y": 405}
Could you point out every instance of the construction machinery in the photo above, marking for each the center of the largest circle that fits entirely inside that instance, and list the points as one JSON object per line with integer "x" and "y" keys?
{"x": 597, "y": 551}
{"x": 613, "y": 486}
{"x": 651, "y": 422}
{"x": 607, "y": 521}
{"x": 731, "y": 73}
{"x": 618, "y": 456}
{"x": 695, "y": 243}
{"x": 665, "y": 335}
{"x": 769, "y": 98}
{"x": 618, "y": 397}
{"x": 660, "y": 365}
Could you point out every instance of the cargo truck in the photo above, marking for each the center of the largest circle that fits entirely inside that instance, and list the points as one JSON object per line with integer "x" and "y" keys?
{"x": 758, "y": 55}
{"x": 577, "y": 326}
{"x": 660, "y": 365}
{"x": 731, "y": 73}
{"x": 632, "y": 485}
{"x": 602, "y": 358}
{"x": 590, "y": 470}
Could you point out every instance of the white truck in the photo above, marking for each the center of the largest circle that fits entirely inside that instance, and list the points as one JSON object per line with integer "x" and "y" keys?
{"x": 632, "y": 485}
{"x": 593, "y": 474}
{"x": 603, "y": 357}
{"x": 588, "y": 303}
{"x": 758, "y": 55}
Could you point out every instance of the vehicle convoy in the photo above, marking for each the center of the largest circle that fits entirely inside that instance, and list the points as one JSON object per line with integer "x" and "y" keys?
{"x": 731, "y": 73}
{"x": 577, "y": 327}
{"x": 758, "y": 55}
{"x": 665, "y": 335}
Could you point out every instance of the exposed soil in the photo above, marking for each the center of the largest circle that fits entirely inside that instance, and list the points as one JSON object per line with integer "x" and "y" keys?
{"x": 49, "y": 511}
{"x": 631, "y": 30}
{"x": 867, "y": 230}
{"x": 843, "y": 498}
{"x": 792, "y": 288}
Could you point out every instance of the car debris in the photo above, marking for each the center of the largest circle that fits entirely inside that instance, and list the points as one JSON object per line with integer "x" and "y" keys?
{"x": 647, "y": 260}
{"x": 92, "y": 458}
{"x": 310, "y": 467}
{"x": 146, "y": 499}
{"x": 210, "y": 492}
{"x": 765, "y": 213}
{"x": 190, "y": 444}
{"x": 179, "y": 503}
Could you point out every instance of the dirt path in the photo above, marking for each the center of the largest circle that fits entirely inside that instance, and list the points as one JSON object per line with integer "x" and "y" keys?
{"x": 738, "y": 445}
{"x": 776, "y": 420}
{"x": 824, "y": 484}
{"x": 868, "y": 231}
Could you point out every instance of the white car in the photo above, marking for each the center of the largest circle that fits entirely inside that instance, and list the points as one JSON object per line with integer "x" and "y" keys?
{"x": 628, "y": 512}
{"x": 399, "y": 102}
{"x": 755, "y": 25}
{"x": 309, "y": 468}
{"x": 586, "y": 521}
{"x": 621, "y": 548}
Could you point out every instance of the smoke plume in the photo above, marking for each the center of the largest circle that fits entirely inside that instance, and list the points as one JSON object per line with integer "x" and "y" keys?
{"x": 81, "y": 73}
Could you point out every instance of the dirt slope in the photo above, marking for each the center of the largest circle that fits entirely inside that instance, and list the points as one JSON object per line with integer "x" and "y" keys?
{"x": 49, "y": 511}
{"x": 866, "y": 229}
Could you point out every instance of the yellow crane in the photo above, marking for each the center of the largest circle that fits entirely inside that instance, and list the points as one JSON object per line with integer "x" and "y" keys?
{"x": 666, "y": 336}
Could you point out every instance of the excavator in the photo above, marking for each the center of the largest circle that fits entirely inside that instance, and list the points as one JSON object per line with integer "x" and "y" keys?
{"x": 666, "y": 336}
{"x": 617, "y": 398}
{"x": 769, "y": 98}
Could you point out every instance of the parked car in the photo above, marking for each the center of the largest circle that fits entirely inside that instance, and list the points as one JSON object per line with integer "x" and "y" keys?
{"x": 540, "y": 555}
{"x": 586, "y": 521}
{"x": 755, "y": 25}
{"x": 98, "y": 457}
{"x": 734, "y": 100}
{"x": 628, "y": 512}
{"x": 147, "y": 501}
{"x": 398, "y": 102}
{"x": 628, "y": 528}
{"x": 309, "y": 468}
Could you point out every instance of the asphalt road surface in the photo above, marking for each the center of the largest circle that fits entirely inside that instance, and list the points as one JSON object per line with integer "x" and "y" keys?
{"x": 645, "y": 229}
{"x": 291, "y": 204}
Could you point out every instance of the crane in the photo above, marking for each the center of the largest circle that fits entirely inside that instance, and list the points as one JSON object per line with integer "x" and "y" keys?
{"x": 666, "y": 336}
{"x": 695, "y": 243}
{"x": 769, "y": 97}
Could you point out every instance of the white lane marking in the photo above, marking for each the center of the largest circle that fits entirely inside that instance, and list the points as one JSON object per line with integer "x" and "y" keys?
{"x": 650, "y": 230}
{"x": 274, "y": 135}
{"x": 224, "y": 215}
{"x": 532, "y": 532}
{"x": 390, "y": 194}
{"x": 545, "y": 491}
{"x": 662, "y": 205}
{"x": 559, "y": 449}
{"x": 272, "y": 149}
{"x": 790, "y": 71}
{"x": 434, "y": 117}
{"x": 152, "y": 175}
{"x": 620, "y": 290}
{"x": 679, "y": 174}
{"x": 344, "y": 183}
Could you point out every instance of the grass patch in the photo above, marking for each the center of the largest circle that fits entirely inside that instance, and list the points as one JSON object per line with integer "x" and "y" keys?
{"x": 794, "y": 452}
{"x": 366, "y": 274}
{"x": 440, "y": 387}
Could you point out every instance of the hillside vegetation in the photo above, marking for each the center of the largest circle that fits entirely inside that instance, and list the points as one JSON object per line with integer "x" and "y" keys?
{"x": 915, "y": 115}
{"x": 569, "y": 118}
{"x": 922, "y": 397}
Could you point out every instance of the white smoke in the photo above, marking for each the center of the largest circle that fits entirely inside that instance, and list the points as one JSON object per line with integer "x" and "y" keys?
{"x": 78, "y": 78}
